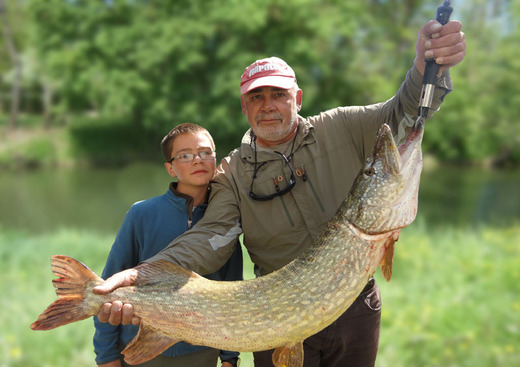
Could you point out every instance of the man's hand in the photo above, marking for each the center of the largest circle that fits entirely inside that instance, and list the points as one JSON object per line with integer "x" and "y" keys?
{"x": 446, "y": 44}
{"x": 117, "y": 313}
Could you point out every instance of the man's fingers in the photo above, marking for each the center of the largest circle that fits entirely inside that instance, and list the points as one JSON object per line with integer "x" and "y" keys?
{"x": 433, "y": 29}
{"x": 121, "y": 279}
{"x": 452, "y": 53}
{"x": 430, "y": 30}
{"x": 452, "y": 50}
{"x": 453, "y": 26}
{"x": 449, "y": 44}
{"x": 451, "y": 60}
{"x": 115, "y": 281}
{"x": 446, "y": 44}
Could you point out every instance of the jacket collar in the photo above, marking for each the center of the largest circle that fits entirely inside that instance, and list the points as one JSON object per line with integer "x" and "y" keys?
{"x": 305, "y": 136}
{"x": 188, "y": 198}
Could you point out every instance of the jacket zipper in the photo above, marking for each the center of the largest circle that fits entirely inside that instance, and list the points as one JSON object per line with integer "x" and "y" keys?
{"x": 287, "y": 211}
{"x": 306, "y": 178}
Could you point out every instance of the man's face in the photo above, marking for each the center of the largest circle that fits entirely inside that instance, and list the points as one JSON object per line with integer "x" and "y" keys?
{"x": 272, "y": 113}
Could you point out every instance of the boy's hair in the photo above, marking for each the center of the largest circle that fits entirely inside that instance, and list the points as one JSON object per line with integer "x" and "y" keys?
{"x": 184, "y": 128}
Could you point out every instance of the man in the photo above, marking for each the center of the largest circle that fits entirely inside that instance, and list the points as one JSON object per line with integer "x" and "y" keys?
{"x": 287, "y": 180}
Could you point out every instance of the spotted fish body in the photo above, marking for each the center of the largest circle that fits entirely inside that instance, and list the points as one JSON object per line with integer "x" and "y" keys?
{"x": 276, "y": 311}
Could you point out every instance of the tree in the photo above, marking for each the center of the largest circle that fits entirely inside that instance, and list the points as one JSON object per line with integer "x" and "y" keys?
{"x": 479, "y": 120}
{"x": 158, "y": 63}
{"x": 16, "y": 64}
{"x": 161, "y": 63}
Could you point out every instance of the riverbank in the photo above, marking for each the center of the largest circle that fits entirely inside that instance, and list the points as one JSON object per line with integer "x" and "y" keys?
{"x": 35, "y": 147}
{"x": 96, "y": 144}
{"x": 86, "y": 142}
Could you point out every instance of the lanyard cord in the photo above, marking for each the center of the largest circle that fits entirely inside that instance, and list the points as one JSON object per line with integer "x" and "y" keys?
{"x": 287, "y": 159}
{"x": 291, "y": 181}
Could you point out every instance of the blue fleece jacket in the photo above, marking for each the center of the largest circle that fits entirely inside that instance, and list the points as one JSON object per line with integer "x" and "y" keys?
{"x": 147, "y": 228}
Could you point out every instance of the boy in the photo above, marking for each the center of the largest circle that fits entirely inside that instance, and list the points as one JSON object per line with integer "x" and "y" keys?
{"x": 152, "y": 224}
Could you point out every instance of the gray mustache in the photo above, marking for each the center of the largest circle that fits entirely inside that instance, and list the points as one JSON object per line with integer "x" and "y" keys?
{"x": 276, "y": 116}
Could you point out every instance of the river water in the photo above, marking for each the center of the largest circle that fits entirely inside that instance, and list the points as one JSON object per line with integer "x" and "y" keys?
{"x": 97, "y": 199}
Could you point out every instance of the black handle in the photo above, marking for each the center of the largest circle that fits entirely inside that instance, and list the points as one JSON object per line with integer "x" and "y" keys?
{"x": 443, "y": 16}
{"x": 444, "y": 13}
{"x": 432, "y": 68}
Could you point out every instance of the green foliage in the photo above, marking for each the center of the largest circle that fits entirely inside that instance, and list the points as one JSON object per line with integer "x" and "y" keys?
{"x": 26, "y": 288}
{"x": 109, "y": 141}
{"x": 480, "y": 118}
{"x": 39, "y": 148}
{"x": 32, "y": 152}
{"x": 452, "y": 300}
{"x": 160, "y": 63}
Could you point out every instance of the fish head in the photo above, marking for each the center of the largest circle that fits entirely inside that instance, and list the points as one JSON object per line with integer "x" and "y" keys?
{"x": 384, "y": 195}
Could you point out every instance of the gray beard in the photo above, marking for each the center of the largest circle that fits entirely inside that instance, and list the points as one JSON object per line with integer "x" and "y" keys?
{"x": 275, "y": 133}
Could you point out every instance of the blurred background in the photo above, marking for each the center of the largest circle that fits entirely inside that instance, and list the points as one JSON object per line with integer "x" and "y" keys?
{"x": 89, "y": 88}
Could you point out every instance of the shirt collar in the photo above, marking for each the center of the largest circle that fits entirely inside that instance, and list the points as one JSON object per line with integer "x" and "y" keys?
{"x": 305, "y": 136}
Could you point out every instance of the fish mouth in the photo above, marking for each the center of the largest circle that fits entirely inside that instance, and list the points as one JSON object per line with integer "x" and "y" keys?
{"x": 386, "y": 151}
{"x": 384, "y": 196}
{"x": 388, "y": 191}
{"x": 402, "y": 160}
{"x": 404, "y": 209}
{"x": 410, "y": 149}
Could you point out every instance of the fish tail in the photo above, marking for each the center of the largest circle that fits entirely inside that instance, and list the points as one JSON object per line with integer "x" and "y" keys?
{"x": 74, "y": 289}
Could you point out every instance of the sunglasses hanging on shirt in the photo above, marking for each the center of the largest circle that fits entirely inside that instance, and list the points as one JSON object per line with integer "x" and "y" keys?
{"x": 276, "y": 181}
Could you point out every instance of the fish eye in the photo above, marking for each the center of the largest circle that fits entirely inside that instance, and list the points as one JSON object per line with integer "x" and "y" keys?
{"x": 370, "y": 171}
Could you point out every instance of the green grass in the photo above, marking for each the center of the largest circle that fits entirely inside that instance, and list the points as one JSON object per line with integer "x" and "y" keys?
{"x": 453, "y": 300}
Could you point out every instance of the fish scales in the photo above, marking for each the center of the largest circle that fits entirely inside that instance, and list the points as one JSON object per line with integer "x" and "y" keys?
{"x": 276, "y": 311}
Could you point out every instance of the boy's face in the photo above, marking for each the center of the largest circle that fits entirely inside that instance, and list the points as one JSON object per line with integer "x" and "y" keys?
{"x": 196, "y": 173}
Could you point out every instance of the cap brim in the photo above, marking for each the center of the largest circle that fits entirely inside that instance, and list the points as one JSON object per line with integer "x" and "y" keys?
{"x": 283, "y": 82}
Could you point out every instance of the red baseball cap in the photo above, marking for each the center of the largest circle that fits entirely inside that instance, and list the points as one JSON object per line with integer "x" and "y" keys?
{"x": 272, "y": 72}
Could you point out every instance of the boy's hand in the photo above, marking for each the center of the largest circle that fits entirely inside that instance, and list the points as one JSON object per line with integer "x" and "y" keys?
{"x": 117, "y": 313}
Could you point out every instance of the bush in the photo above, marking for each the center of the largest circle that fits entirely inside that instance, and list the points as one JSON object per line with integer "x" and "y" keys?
{"x": 110, "y": 141}
{"x": 33, "y": 152}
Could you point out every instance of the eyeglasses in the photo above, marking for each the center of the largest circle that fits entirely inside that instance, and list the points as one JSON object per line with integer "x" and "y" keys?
{"x": 276, "y": 181}
{"x": 206, "y": 155}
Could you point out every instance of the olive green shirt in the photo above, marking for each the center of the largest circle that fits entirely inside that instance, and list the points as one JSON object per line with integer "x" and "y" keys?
{"x": 329, "y": 151}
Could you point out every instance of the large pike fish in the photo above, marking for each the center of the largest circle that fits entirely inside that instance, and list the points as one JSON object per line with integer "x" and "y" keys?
{"x": 277, "y": 311}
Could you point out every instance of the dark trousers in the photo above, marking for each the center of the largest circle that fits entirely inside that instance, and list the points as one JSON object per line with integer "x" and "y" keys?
{"x": 351, "y": 340}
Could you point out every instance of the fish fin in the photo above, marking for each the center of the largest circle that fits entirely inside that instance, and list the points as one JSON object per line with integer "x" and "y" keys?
{"x": 163, "y": 271}
{"x": 147, "y": 344}
{"x": 290, "y": 355}
{"x": 74, "y": 280}
{"x": 388, "y": 259}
